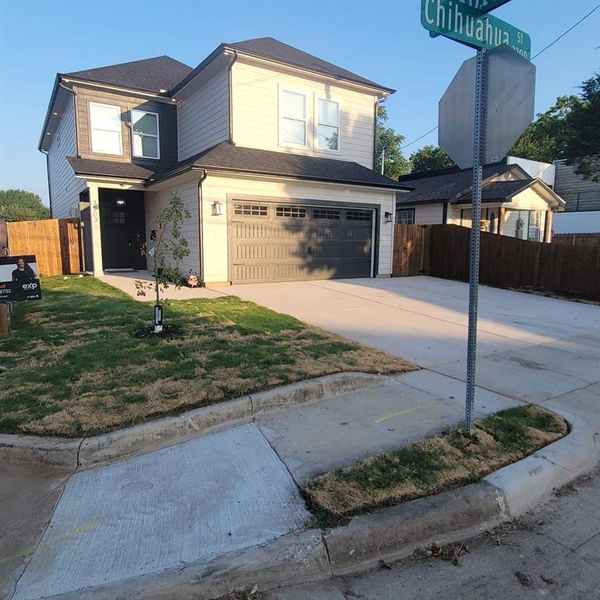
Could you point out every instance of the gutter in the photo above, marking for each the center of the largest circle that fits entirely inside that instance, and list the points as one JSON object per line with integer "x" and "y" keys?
{"x": 226, "y": 170}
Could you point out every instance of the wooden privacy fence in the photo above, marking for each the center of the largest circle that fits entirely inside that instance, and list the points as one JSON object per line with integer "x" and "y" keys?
{"x": 575, "y": 239}
{"x": 411, "y": 250}
{"x": 55, "y": 243}
{"x": 512, "y": 263}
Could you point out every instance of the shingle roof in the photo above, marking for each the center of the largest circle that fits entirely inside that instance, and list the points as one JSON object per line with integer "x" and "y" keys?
{"x": 108, "y": 168}
{"x": 150, "y": 74}
{"x": 498, "y": 190}
{"x": 272, "y": 49}
{"x": 228, "y": 157}
{"x": 447, "y": 184}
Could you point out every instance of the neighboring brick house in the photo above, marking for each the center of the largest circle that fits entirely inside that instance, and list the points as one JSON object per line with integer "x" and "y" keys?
{"x": 272, "y": 150}
{"x": 513, "y": 203}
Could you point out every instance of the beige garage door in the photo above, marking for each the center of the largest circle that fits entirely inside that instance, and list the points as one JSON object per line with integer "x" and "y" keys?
{"x": 289, "y": 242}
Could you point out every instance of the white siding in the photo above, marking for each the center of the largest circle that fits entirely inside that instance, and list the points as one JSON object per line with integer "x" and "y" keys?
{"x": 64, "y": 186}
{"x": 214, "y": 229}
{"x": 429, "y": 214}
{"x": 453, "y": 217}
{"x": 157, "y": 201}
{"x": 256, "y": 112}
{"x": 203, "y": 115}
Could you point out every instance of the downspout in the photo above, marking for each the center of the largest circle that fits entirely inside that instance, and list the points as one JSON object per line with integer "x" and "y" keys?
{"x": 200, "y": 221}
{"x": 233, "y": 60}
{"x": 377, "y": 101}
{"x": 48, "y": 178}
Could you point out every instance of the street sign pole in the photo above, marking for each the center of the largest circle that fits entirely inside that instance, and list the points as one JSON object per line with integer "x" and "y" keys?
{"x": 478, "y": 154}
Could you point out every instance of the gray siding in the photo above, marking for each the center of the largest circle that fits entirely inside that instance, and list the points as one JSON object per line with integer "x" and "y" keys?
{"x": 167, "y": 119}
{"x": 64, "y": 186}
{"x": 579, "y": 193}
{"x": 203, "y": 115}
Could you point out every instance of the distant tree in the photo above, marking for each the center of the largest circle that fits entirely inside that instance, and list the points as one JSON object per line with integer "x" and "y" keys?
{"x": 547, "y": 137}
{"x": 430, "y": 158}
{"x": 389, "y": 141}
{"x": 20, "y": 205}
{"x": 582, "y": 148}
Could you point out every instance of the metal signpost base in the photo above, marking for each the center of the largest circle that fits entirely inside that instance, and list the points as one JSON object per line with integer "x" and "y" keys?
{"x": 478, "y": 154}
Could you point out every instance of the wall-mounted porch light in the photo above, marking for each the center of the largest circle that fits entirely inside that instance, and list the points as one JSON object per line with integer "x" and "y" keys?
{"x": 217, "y": 208}
{"x": 388, "y": 217}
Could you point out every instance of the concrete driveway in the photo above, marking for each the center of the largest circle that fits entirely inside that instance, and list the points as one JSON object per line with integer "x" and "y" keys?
{"x": 530, "y": 347}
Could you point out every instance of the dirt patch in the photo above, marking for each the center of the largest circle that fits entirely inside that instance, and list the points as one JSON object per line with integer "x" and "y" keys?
{"x": 433, "y": 465}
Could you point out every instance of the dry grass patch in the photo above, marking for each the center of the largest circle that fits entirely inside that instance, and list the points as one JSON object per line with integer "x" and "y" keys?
{"x": 433, "y": 465}
{"x": 73, "y": 364}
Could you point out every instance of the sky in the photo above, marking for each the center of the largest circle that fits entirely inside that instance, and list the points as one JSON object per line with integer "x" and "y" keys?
{"x": 381, "y": 40}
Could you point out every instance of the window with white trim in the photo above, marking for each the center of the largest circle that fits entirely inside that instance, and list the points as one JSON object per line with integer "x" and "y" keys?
{"x": 292, "y": 118}
{"x": 144, "y": 134}
{"x": 405, "y": 216}
{"x": 105, "y": 123}
{"x": 328, "y": 125}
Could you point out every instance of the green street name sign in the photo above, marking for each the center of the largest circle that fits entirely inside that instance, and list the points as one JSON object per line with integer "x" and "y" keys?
{"x": 459, "y": 21}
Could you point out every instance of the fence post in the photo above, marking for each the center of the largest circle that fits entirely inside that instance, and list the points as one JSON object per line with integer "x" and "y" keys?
{"x": 4, "y": 319}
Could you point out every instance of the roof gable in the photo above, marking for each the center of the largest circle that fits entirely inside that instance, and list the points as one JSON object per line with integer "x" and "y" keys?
{"x": 448, "y": 185}
{"x": 272, "y": 49}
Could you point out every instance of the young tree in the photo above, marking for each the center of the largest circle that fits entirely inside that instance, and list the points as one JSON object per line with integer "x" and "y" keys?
{"x": 20, "y": 205}
{"x": 388, "y": 144}
{"x": 582, "y": 148}
{"x": 168, "y": 247}
{"x": 430, "y": 158}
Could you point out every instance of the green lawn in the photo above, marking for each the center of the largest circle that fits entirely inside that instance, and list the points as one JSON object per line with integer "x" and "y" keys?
{"x": 73, "y": 366}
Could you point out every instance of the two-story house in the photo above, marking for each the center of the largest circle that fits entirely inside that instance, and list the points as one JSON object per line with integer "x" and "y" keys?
{"x": 271, "y": 149}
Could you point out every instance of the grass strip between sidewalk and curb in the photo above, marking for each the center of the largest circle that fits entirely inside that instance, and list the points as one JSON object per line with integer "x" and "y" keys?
{"x": 75, "y": 364}
{"x": 433, "y": 465}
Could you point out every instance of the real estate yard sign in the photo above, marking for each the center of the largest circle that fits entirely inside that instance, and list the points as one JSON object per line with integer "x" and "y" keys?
{"x": 19, "y": 279}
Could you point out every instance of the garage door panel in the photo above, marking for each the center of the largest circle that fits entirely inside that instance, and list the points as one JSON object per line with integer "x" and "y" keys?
{"x": 286, "y": 242}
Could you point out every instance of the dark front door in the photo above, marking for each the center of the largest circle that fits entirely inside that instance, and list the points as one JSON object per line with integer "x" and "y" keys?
{"x": 122, "y": 221}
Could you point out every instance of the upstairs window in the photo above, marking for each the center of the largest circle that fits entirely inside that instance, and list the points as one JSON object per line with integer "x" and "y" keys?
{"x": 328, "y": 125}
{"x": 105, "y": 121}
{"x": 292, "y": 119}
{"x": 144, "y": 131}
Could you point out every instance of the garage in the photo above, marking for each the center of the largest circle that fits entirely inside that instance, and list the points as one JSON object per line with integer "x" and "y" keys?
{"x": 287, "y": 241}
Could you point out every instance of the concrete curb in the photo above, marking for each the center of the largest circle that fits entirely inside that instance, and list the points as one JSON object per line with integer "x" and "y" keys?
{"x": 395, "y": 532}
{"x": 386, "y": 534}
{"x": 153, "y": 435}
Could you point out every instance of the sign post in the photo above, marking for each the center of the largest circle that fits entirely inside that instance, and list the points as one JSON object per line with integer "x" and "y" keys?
{"x": 478, "y": 154}
{"x": 469, "y": 23}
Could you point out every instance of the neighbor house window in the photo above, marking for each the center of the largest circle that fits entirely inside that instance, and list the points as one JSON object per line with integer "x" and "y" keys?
{"x": 292, "y": 118}
{"x": 105, "y": 121}
{"x": 405, "y": 216}
{"x": 328, "y": 125}
{"x": 144, "y": 127}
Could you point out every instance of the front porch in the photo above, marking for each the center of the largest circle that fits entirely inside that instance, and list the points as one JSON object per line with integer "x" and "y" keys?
{"x": 113, "y": 220}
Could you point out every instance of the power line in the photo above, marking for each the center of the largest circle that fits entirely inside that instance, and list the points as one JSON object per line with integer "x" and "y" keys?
{"x": 419, "y": 138}
{"x": 562, "y": 35}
